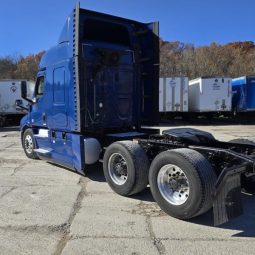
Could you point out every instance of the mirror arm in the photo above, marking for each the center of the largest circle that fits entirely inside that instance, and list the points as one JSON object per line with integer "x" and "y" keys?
{"x": 29, "y": 100}
{"x": 22, "y": 107}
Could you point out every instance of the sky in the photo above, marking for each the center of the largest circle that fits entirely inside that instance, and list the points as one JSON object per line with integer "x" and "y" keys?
{"x": 30, "y": 26}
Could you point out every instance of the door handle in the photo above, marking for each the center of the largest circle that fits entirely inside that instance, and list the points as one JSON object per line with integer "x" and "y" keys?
{"x": 53, "y": 136}
{"x": 44, "y": 118}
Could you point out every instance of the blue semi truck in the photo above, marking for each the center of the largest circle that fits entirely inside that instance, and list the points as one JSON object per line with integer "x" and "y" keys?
{"x": 243, "y": 89}
{"x": 94, "y": 91}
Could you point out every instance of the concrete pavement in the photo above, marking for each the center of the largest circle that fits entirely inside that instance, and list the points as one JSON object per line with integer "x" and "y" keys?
{"x": 46, "y": 209}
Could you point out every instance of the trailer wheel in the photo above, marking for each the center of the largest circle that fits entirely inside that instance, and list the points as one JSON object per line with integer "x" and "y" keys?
{"x": 28, "y": 144}
{"x": 247, "y": 183}
{"x": 126, "y": 167}
{"x": 182, "y": 182}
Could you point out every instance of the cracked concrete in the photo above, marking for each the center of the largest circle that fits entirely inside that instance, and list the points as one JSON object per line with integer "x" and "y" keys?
{"x": 7, "y": 192}
{"x": 76, "y": 207}
{"x": 156, "y": 241}
{"x": 46, "y": 209}
{"x": 16, "y": 169}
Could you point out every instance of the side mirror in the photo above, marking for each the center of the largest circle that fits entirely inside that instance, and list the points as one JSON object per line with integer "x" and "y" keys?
{"x": 24, "y": 92}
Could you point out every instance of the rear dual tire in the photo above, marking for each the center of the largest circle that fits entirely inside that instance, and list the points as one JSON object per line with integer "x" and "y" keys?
{"x": 182, "y": 183}
{"x": 181, "y": 180}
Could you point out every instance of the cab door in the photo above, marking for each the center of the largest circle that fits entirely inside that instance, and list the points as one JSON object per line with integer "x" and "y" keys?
{"x": 38, "y": 113}
{"x": 58, "y": 113}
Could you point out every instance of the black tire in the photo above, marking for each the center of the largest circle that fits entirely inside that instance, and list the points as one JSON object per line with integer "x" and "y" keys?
{"x": 247, "y": 183}
{"x": 136, "y": 167}
{"x": 28, "y": 144}
{"x": 201, "y": 179}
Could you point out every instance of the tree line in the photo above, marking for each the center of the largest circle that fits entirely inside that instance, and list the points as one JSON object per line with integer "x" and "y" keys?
{"x": 231, "y": 60}
{"x": 176, "y": 59}
{"x": 19, "y": 67}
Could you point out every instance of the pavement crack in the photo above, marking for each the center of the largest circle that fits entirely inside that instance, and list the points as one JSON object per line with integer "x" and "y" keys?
{"x": 44, "y": 229}
{"x": 12, "y": 161}
{"x": 75, "y": 209}
{"x": 212, "y": 239}
{"x": 7, "y": 192}
{"x": 156, "y": 241}
{"x": 148, "y": 209}
{"x": 77, "y": 205}
{"x": 16, "y": 169}
{"x": 108, "y": 237}
{"x": 7, "y": 147}
{"x": 35, "y": 185}
{"x": 10, "y": 145}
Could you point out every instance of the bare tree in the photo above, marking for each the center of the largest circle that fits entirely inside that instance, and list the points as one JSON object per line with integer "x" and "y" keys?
{"x": 233, "y": 59}
{"x": 19, "y": 67}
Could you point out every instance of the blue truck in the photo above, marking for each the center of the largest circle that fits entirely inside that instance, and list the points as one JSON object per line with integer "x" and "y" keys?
{"x": 94, "y": 92}
{"x": 243, "y": 89}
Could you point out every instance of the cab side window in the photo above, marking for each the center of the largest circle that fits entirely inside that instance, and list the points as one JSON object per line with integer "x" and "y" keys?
{"x": 39, "y": 87}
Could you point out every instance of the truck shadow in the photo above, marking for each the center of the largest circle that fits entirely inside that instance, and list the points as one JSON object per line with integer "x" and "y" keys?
{"x": 95, "y": 173}
{"x": 9, "y": 129}
{"x": 245, "y": 223}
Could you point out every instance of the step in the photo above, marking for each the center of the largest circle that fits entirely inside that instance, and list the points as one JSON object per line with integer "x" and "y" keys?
{"x": 43, "y": 151}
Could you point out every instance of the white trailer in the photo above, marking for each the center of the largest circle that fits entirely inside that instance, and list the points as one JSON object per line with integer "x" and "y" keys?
{"x": 10, "y": 94}
{"x": 173, "y": 94}
{"x": 210, "y": 94}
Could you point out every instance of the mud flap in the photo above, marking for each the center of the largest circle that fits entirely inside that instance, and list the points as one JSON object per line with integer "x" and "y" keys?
{"x": 227, "y": 198}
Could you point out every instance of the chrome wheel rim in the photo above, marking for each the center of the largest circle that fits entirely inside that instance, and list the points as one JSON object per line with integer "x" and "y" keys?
{"x": 117, "y": 169}
{"x": 28, "y": 144}
{"x": 173, "y": 184}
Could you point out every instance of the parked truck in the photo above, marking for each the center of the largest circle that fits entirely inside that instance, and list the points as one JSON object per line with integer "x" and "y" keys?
{"x": 173, "y": 96}
{"x": 94, "y": 91}
{"x": 243, "y": 100}
{"x": 10, "y": 94}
